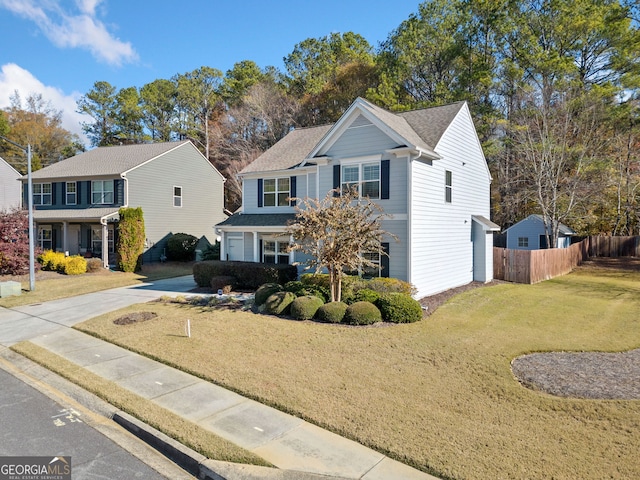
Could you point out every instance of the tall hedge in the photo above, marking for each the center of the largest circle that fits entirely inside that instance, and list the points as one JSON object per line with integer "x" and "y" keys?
{"x": 130, "y": 244}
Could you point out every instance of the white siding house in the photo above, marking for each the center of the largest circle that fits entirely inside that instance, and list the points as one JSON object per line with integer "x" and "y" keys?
{"x": 425, "y": 168}
{"x": 10, "y": 187}
{"x": 530, "y": 234}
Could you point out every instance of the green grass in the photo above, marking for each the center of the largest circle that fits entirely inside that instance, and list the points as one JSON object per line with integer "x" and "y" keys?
{"x": 438, "y": 394}
{"x": 52, "y": 286}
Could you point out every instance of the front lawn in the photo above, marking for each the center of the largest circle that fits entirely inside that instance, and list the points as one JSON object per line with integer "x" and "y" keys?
{"x": 53, "y": 285}
{"x": 437, "y": 394}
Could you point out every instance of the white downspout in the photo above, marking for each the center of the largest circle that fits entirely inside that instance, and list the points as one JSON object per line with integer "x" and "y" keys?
{"x": 105, "y": 242}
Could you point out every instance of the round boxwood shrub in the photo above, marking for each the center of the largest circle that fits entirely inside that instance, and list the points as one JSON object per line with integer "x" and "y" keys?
{"x": 181, "y": 247}
{"x": 305, "y": 307}
{"x": 399, "y": 308}
{"x": 265, "y": 291}
{"x": 279, "y": 303}
{"x": 332, "y": 312}
{"x": 362, "y": 313}
{"x": 366, "y": 295}
{"x": 301, "y": 289}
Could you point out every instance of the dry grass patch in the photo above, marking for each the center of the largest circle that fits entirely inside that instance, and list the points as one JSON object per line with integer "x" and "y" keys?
{"x": 184, "y": 431}
{"x": 53, "y": 285}
{"x": 438, "y": 394}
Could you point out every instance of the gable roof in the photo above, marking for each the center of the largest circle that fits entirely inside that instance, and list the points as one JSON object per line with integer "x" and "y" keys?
{"x": 6, "y": 164}
{"x": 420, "y": 129}
{"x": 107, "y": 160}
{"x": 562, "y": 228}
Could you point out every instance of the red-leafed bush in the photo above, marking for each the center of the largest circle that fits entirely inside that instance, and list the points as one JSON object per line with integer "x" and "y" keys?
{"x": 14, "y": 243}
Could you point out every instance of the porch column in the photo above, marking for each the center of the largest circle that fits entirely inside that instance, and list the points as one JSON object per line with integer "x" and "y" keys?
{"x": 223, "y": 242}
{"x": 292, "y": 253}
{"x": 105, "y": 246}
{"x": 256, "y": 247}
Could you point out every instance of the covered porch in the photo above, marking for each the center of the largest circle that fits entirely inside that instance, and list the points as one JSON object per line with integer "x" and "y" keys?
{"x": 86, "y": 232}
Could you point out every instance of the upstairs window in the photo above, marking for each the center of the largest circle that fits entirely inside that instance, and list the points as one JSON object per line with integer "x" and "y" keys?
{"x": 71, "y": 197}
{"x": 177, "y": 196}
{"x": 276, "y": 192}
{"x": 102, "y": 192}
{"x": 42, "y": 194}
{"x": 363, "y": 177}
{"x": 448, "y": 185}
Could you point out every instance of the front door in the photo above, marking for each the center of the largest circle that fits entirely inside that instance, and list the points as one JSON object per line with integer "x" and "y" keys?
{"x": 73, "y": 239}
{"x": 235, "y": 248}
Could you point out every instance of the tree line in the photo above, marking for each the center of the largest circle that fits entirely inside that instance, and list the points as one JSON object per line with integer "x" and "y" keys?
{"x": 553, "y": 86}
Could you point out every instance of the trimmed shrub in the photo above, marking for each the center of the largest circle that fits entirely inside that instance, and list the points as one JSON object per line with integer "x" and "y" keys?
{"x": 75, "y": 265}
{"x": 362, "y": 313}
{"x": 399, "y": 308}
{"x": 51, "y": 260}
{"x": 301, "y": 289}
{"x": 181, "y": 247}
{"x": 390, "y": 285}
{"x": 265, "y": 291}
{"x": 130, "y": 239}
{"x": 211, "y": 252}
{"x": 279, "y": 303}
{"x": 332, "y": 312}
{"x": 248, "y": 275}
{"x": 94, "y": 265}
{"x": 366, "y": 295}
{"x": 305, "y": 307}
{"x": 224, "y": 283}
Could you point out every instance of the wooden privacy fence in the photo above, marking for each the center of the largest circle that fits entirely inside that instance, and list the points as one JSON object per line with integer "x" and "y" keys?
{"x": 533, "y": 266}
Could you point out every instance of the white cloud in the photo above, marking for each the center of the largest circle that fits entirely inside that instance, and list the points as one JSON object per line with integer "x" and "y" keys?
{"x": 15, "y": 78}
{"x": 82, "y": 30}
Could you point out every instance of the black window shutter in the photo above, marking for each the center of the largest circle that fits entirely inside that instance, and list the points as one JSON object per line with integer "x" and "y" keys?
{"x": 89, "y": 199}
{"x": 63, "y": 187}
{"x": 292, "y": 193}
{"x": 261, "y": 259}
{"x": 119, "y": 192}
{"x": 54, "y": 239}
{"x": 384, "y": 179}
{"x": 336, "y": 179}
{"x": 259, "y": 192}
{"x": 384, "y": 260}
{"x": 54, "y": 200}
{"x": 79, "y": 193}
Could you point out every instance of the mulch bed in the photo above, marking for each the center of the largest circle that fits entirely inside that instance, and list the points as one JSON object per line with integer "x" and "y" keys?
{"x": 135, "y": 317}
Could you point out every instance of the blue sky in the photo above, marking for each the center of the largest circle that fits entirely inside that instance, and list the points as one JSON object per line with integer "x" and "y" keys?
{"x": 59, "y": 48}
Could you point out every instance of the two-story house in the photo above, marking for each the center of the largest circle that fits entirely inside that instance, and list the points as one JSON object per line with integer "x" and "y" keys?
{"x": 425, "y": 168}
{"x": 76, "y": 201}
{"x": 9, "y": 187}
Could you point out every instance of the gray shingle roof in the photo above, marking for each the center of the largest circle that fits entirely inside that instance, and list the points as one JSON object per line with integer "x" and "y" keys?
{"x": 420, "y": 128}
{"x": 106, "y": 160}
{"x": 88, "y": 214}
{"x": 289, "y": 151}
{"x": 258, "y": 220}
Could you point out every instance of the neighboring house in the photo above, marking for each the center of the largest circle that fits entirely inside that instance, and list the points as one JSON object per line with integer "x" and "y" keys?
{"x": 9, "y": 187}
{"x": 425, "y": 168}
{"x": 76, "y": 201}
{"x": 530, "y": 234}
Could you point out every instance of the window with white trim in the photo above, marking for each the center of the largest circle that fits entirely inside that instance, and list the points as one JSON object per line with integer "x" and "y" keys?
{"x": 177, "y": 196}
{"x": 102, "y": 192}
{"x": 45, "y": 237}
{"x": 274, "y": 251}
{"x": 42, "y": 194}
{"x": 96, "y": 240}
{"x": 71, "y": 195}
{"x": 448, "y": 186}
{"x": 523, "y": 241}
{"x": 276, "y": 192}
{"x": 365, "y": 177}
{"x": 374, "y": 270}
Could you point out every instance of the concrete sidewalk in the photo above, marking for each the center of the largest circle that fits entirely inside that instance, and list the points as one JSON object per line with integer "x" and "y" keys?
{"x": 299, "y": 449}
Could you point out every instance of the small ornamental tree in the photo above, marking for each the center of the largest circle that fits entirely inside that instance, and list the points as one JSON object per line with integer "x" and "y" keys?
{"x": 14, "y": 242}
{"x": 335, "y": 231}
{"x": 130, "y": 244}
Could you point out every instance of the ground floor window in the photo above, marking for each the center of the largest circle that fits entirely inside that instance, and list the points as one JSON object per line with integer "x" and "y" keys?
{"x": 372, "y": 271}
{"x": 45, "y": 237}
{"x": 96, "y": 240}
{"x": 523, "y": 241}
{"x": 274, "y": 251}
